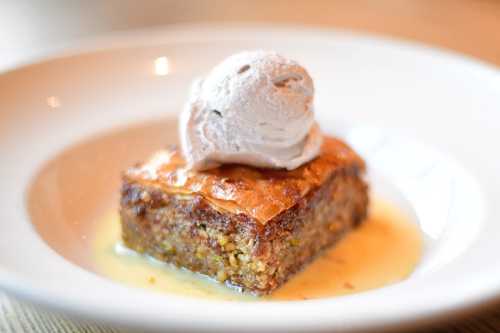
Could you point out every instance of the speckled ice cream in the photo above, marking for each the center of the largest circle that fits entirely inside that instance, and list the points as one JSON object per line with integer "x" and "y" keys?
{"x": 254, "y": 108}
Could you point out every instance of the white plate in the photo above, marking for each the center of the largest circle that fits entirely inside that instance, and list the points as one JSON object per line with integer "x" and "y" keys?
{"x": 427, "y": 120}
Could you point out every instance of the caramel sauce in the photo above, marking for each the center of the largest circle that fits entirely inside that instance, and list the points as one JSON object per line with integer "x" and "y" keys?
{"x": 259, "y": 193}
{"x": 383, "y": 250}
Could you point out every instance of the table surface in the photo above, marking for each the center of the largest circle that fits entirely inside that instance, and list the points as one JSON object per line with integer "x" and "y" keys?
{"x": 469, "y": 27}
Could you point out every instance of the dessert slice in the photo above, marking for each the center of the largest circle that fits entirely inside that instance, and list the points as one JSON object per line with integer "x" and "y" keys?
{"x": 251, "y": 228}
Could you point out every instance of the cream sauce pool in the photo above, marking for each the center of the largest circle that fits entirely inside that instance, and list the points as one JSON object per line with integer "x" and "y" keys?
{"x": 383, "y": 250}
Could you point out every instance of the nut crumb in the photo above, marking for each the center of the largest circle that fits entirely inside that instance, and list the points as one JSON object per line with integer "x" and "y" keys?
{"x": 221, "y": 276}
{"x": 335, "y": 226}
{"x": 348, "y": 285}
{"x": 145, "y": 196}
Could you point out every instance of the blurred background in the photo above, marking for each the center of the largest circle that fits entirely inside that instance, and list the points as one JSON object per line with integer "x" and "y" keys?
{"x": 468, "y": 26}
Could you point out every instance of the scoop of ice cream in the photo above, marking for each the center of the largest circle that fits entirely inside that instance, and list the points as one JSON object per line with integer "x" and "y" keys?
{"x": 254, "y": 108}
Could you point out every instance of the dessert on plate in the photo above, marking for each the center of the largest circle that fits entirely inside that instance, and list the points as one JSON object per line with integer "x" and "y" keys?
{"x": 255, "y": 191}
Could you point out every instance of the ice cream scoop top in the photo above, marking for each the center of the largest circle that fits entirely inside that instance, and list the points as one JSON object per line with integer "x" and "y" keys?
{"x": 255, "y": 108}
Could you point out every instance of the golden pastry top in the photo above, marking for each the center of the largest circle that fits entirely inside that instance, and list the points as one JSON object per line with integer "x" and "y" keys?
{"x": 259, "y": 193}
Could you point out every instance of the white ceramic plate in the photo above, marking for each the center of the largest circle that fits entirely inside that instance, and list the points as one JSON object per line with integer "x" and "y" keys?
{"x": 428, "y": 121}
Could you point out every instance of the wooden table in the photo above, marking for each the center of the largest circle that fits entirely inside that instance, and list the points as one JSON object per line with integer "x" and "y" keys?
{"x": 467, "y": 26}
